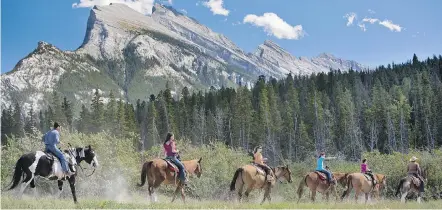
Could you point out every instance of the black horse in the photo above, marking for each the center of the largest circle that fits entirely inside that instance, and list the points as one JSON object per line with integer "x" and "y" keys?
{"x": 47, "y": 165}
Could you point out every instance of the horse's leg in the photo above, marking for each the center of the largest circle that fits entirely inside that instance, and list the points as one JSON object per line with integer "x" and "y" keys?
{"x": 419, "y": 194}
{"x": 26, "y": 182}
{"x": 366, "y": 197}
{"x": 403, "y": 196}
{"x": 60, "y": 188}
{"x": 357, "y": 191}
{"x": 240, "y": 189}
{"x": 313, "y": 195}
{"x": 72, "y": 185}
{"x": 183, "y": 196}
{"x": 33, "y": 187}
{"x": 268, "y": 195}
{"x": 248, "y": 190}
{"x": 176, "y": 192}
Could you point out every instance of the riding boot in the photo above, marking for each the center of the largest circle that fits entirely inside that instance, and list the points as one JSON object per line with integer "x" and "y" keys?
{"x": 422, "y": 187}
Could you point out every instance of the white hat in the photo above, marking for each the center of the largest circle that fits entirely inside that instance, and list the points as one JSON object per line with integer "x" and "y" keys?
{"x": 413, "y": 159}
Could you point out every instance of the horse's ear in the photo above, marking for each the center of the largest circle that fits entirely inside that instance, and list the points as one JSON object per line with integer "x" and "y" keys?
{"x": 287, "y": 166}
{"x": 199, "y": 161}
{"x": 89, "y": 146}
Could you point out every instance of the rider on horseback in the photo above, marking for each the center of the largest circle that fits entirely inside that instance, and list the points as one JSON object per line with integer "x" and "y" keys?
{"x": 366, "y": 170}
{"x": 414, "y": 169}
{"x": 320, "y": 167}
{"x": 51, "y": 139}
{"x": 172, "y": 155}
{"x": 258, "y": 159}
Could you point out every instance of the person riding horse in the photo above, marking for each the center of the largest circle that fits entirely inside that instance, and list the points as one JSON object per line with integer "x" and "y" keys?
{"x": 51, "y": 139}
{"x": 366, "y": 170}
{"x": 172, "y": 155}
{"x": 320, "y": 167}
{"x": 258, "y": 160}
{"x": 414, "y": 169}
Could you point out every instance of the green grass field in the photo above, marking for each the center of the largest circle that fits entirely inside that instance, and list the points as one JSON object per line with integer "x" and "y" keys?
{"x": 8, "y": 202}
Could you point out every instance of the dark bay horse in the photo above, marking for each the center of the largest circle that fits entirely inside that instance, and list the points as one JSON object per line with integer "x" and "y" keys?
{"x": 158, "y": 172}
{"x": 41, "y": 164}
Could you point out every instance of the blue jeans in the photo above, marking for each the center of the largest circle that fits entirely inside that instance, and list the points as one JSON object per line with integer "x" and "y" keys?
{"x": 326, "y": 173}
{"x": 182, "y": 172}
{"x": 59, "y": 154}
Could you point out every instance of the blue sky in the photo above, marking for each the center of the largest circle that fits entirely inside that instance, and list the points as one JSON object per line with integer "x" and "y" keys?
{"x": 394, "y": 29}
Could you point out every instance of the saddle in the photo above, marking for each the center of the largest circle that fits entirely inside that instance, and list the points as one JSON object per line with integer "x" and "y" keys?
{"x": 171, "y": 165}
{"x": 259, "y": 168}
{"x": 322, "y": 176}
{"x": 416, "y": 181}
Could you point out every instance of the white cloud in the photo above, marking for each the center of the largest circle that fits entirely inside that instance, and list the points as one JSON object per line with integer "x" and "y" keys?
{"x": 371, "y": 11}
{"x": 170, "y": 2}
{"x": 142, "y": 6}
{"x": 350, "y": 18}
{"x": 362, "y": 26}
{"x": 275, "y": 26}
{"x": 390, "y": 25}
{"x": 370, "y": 20}
{"x": 216, "y": 6}
{"x": 183, "y": 11}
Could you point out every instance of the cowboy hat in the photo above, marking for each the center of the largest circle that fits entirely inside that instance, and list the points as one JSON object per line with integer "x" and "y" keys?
{"x": 413, "y": 159}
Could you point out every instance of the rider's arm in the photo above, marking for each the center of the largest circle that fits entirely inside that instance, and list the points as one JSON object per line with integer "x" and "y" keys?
{"x": 174, "y": 150}
{"x": 57, "y": 138}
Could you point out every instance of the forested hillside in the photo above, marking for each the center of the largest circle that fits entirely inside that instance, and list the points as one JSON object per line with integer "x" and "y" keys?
{"x": 392, "y": 108}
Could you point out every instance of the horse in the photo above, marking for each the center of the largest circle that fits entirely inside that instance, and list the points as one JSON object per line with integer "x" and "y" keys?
{"x": 319, "y": 184}
{"x": 360, "y": 183}
{"x": 48, "y": 166}
{"x": 252, "y": 178}
{"x": 408, "y": 184}
{"x": 159, "y": 172}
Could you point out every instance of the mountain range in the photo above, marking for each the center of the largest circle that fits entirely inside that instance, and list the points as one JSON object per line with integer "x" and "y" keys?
{"x": 136, "y": 55}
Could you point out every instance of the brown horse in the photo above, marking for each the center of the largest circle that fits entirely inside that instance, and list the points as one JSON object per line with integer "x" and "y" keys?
{"x": 360, "y": 183}
{"x": 250, "y": 178}
{"x": 407, "y": 185}
{"x": 315, "y": 184}
{"x": 158, "y": 172}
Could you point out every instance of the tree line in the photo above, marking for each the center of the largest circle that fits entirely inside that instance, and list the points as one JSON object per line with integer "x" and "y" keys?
{"x": 389, "y": 109}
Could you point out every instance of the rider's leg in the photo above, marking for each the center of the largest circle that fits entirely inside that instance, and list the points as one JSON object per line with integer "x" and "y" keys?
{"x": 182, "y": 172}
{"x": 59, "y": 155}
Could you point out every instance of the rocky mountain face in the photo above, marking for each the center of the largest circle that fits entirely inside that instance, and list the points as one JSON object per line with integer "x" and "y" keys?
{"x": 136, "y": 55}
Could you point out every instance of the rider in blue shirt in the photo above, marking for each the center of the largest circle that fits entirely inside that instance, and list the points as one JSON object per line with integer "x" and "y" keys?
{"x": 320, "y": 167}
{"x": 51, "y": 139}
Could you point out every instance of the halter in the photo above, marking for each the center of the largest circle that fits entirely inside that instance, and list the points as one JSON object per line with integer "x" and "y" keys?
{"x": 81, "y": 155}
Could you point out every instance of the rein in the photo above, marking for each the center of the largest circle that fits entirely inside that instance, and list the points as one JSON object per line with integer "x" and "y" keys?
{"x": 82, "y": 170}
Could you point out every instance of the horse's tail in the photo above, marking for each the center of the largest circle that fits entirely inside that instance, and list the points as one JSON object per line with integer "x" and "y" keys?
{"x": 398, "y": 189}
{"x": 302, "y": 183}
{"x": 18, "y": 172}
{"x": 233, "y": 183}
{"x": 349, "y": 186}
{"x": 144, "y": 170}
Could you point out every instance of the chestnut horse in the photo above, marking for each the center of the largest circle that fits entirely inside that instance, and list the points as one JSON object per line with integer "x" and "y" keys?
{"x": 158, "y": 172}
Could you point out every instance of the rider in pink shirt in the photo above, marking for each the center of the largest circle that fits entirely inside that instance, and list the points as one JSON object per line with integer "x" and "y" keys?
{"x": 366, "y": 170}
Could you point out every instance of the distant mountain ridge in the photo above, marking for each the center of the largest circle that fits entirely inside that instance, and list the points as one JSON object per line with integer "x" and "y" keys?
{"x": 136, "y": 55}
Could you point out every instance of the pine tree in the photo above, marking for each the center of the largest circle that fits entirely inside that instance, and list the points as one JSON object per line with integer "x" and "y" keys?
{"x": 84, "y": 121}
{"x": 58, "y": 114}
{"x": 31, "y": 122}
{"x": 18, "y": 126}
{"x": 42, "y": 121}
{"x": 6, "y": 126}
{"x": 111, "y": 112}
{"x": 97, "y": 112}
{"x": 67, "y": 112}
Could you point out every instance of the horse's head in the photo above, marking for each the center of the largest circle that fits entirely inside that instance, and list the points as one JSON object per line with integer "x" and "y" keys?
{"x": 194, "y": 167}
{"x": 283, "y": 172}
{"x": 341, "y": 178}
{"x": 382, "y": 179}
{"x": 87, "y": 154}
